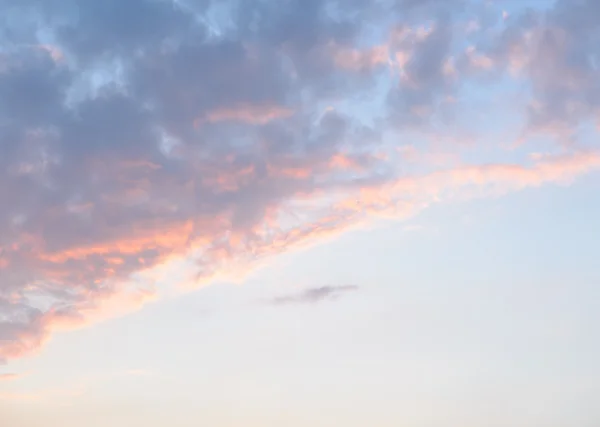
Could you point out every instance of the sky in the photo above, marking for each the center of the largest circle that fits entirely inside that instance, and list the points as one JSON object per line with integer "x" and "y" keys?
{"x": 300, "y": 213}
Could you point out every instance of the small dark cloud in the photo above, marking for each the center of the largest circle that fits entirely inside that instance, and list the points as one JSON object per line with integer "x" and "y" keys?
{"x": 314, "y": 295}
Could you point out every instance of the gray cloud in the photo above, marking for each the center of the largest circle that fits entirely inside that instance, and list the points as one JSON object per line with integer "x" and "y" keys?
{"x": 425, "y": 79}
{"x": 314, "y": 295}
{"x": 555, "y": 51}
{"x": 131, "y": 133}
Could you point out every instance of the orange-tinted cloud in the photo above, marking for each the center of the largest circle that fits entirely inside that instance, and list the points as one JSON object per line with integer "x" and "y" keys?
{"x": 362, "y": 60}
{"x": 250, "y": 114}
{"x": 400, "y": 198}
{"x": 8, "y": 377}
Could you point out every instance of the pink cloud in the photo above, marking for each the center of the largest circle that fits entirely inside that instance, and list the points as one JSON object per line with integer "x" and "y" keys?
{"x": 216, "y": 150}
{"x": 250, "y": 114}
{"x": 401, "y": 198}
{"x": 357, "y": 60}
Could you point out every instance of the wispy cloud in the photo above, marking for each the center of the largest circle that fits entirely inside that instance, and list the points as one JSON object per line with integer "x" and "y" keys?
{"x": 8, "y": 377}
{"x": 314, "y": 295}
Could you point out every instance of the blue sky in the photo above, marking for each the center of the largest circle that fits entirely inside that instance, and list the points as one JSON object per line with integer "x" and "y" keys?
{"x": 267, "y": 213}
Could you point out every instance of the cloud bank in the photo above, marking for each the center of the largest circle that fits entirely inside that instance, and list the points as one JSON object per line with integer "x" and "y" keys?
{"x": 137, "y": 133}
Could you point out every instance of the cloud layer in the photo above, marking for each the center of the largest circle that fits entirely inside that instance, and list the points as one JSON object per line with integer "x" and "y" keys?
{"x": 136, "y": 133}
{"x": 314, "y": 295}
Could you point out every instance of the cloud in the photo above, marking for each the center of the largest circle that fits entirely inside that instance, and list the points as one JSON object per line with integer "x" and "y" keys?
{"x": 249, "y": 114}
{"x": 137, "y": 134}
{"x": 553, "y": 52}
{"x": 314, "y": 295}
{"x": 8, "y": 377}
